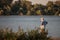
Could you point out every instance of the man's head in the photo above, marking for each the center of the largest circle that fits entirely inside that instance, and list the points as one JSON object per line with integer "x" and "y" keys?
{"x": 42, "y": 19}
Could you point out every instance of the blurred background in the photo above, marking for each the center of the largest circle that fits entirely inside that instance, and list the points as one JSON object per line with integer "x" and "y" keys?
{"x": 29, "y": 7}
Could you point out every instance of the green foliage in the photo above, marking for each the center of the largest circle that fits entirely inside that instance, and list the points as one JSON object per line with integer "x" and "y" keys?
{"x": 23, "y": 7}
{"x": 6, "y": 34}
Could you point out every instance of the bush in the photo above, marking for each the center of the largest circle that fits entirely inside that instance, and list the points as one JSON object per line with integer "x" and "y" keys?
{"x": 21, "y": 35}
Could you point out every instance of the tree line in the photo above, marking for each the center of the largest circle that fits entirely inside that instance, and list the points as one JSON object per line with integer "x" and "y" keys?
{"x": 23, "y": 7}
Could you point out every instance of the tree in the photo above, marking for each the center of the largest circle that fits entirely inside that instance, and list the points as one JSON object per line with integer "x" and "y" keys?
{"x": 15, "y": 8}
{"x": 50, "y": 8}
{"x": 49, "y": 4}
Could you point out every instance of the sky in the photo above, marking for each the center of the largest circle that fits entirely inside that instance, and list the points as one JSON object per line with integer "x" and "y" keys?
{"x": 39, "y": 1}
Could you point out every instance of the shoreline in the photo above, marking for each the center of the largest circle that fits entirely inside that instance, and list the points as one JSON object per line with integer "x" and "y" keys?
{"x": 55, "y": 38}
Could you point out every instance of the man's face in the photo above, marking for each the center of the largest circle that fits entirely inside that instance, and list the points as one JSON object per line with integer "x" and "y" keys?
{"x": 41, "y": 19}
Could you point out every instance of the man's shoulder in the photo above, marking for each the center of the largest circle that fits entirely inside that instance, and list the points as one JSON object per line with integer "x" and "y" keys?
{"x": 45, "y": 22}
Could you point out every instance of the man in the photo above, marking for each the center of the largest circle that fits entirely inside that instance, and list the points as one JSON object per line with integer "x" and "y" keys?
{"x": 43, "y": 23}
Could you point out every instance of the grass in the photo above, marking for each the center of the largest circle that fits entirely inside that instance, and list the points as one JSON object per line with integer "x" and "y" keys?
{"x": 8, "y": 34}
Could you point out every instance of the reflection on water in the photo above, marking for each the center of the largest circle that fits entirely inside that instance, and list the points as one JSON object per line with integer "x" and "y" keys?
{"x": 30, "y": 22}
